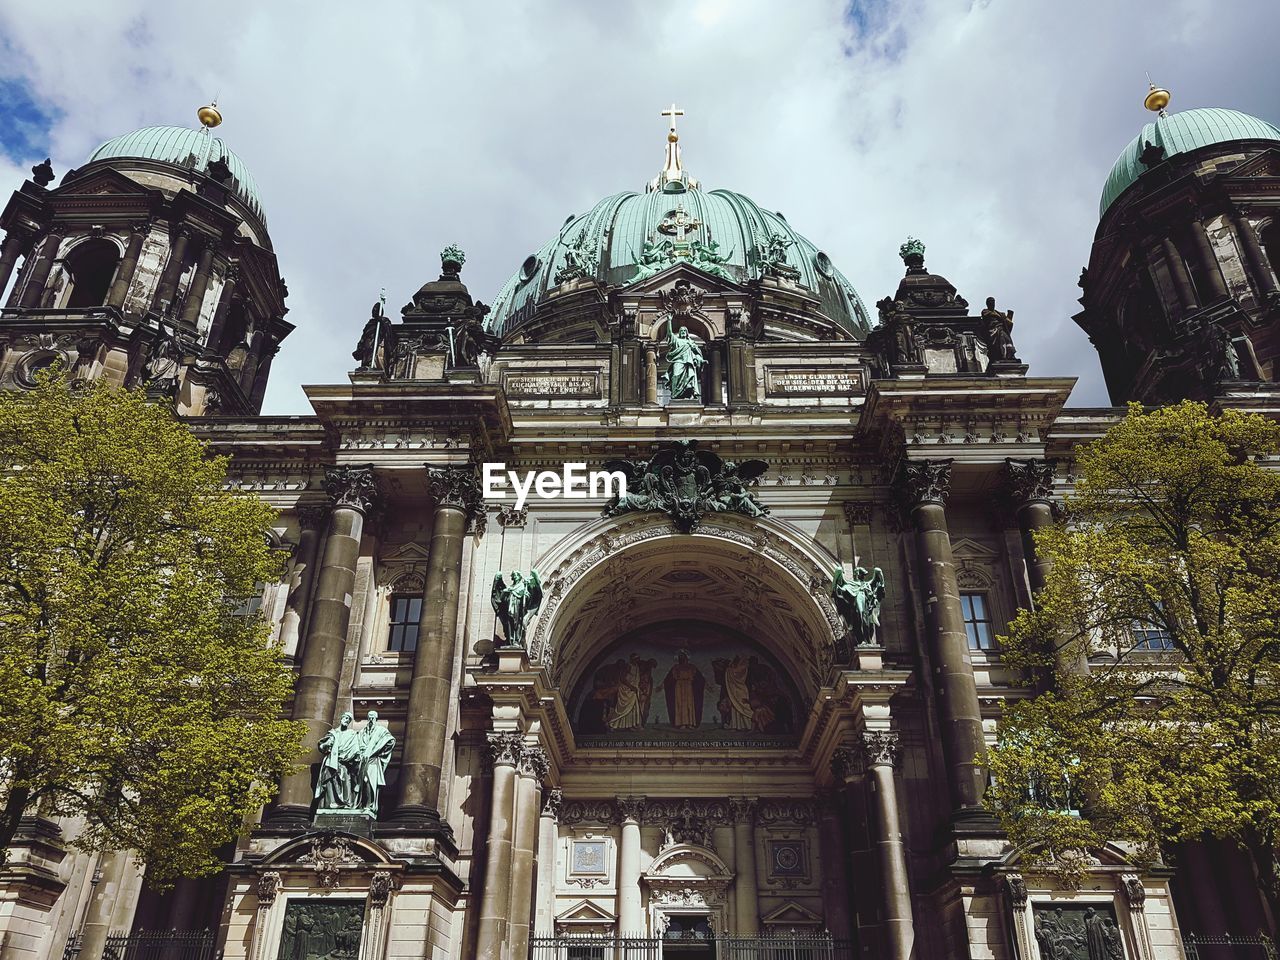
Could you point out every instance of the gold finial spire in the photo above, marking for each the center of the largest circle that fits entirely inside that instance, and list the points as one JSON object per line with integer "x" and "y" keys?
{"x": 210, "y": 116}
{"x": 672, "y": 169}
{"x": 1157, "y": 98}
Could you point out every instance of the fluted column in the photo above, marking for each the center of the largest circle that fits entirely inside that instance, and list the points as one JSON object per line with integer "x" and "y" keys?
{"x": 1263, "y": 275}
{"x": 630, "y": 910}
{"x": 530, "y": 773}
{"x": 836, "y": 895}
{"x": 506, "y": 750}
{"x": 650, "y": 373}
{"x": 717, "y": 372}
{"x": 168, "y": 285}
{"x": 1030, "y": 487}
{"x": 1208, "y": 261}
{"x": 198, "y": 287}
{"x": 544, "y": 910}
{"x": 925, "y": 485}
{"x": 353, "y": 492}
{"x": 10, "y": 250}
{"x": 112, "y": 867}
{"x": 881, "y": 748}
{"x": 1178, "y": 272}
{"x": 746, "y": 894}
{"x": 226, "y": 298}
{"x": 310, "y": 519}
{"x": 457, "y": 495}
{"x": 128, "y": 265}
{"x": 848, "y": 768}
{"x": 38, "y": 275}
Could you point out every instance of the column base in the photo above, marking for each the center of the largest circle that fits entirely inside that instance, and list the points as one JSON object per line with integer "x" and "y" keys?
{"x": 286, "y": 819}
{"x": 419, "y": 821}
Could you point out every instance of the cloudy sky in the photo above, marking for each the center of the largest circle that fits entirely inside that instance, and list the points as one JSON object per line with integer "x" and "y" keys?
{"x": 381, "y": 131}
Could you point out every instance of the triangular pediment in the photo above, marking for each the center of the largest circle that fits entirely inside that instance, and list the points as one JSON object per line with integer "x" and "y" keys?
{"x": 407, "y": 553}
{"x": 793, "y": 914}
{"x": 101, "y": 181}
{"x": 584, "y": 911}
{"x": 966, "y": 549}
{"x": 1265, "y": 164}
{"x": 683, "y": 270}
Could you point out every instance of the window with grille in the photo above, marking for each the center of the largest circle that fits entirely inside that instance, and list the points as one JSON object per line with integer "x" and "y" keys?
{"x": 406, "y": 612}
{"x": 977, "y": 621}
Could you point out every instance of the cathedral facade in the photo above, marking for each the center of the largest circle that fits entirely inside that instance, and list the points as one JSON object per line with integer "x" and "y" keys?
{"x": 740, "y": 707}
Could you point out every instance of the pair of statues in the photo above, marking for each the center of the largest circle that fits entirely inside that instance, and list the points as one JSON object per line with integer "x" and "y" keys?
{"x": 354, "y": 768}
{"x": 858, "y": 600}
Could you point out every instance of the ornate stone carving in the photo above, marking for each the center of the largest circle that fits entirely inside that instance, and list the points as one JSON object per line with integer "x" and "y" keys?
{"x": 329, "y": 852}
{"x": 268, "y": 887}
{"x": 630, "y": 808}
{"x": 687, "y": 483}
{"x": 857, "y": 513}
{"x": 846, "y": 763}
{"x": 509, "y": 516}
{"x": 380, "y": 886}
{"x": 925, "y": 482}
{"x": 743, "y": 809}
{"x": 552, "y": 802}
{"x": 1029, "y": 481}
{"x": 881, "y": 747}
{"x": 505, "y": 749}
{"x": 1134, "y": 891}
{"x": 999, "y": 333}
{"x": 533, "y": 762}
{"x": 455, "y": 487}
{"x": 353, "y": 487}
{"x": 580, "y": 260}
{"x": 1016, "y": 888}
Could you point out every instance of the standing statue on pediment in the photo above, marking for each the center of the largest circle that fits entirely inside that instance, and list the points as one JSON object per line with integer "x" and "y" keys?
{"x": 685, "y": 361}
{"x": 858, "y": 600}
{"x": 376, "y": 343}
{"x": 999, "y": 328}
{"x": 1224, "y": 361}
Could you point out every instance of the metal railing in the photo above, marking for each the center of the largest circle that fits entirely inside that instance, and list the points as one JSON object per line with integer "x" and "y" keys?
{"x": 792, "y": 946}
{"x": 162, "y": 945}
{"x": 1229, "y": 947}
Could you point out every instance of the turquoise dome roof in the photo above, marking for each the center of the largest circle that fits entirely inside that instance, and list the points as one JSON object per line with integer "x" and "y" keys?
{"x": 616, "y": 229}
{"x": 184, "y": 147}
{"x": 1181, "y": 133}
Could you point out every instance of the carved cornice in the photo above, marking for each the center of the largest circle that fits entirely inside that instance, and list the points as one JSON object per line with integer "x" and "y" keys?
{"x": 925, "y": 482}
{"x": 352, "y": 487}
{"x": 880, "y": 747}
{"x": 455, "y": 487}
{"x": 630, "y": 808}
{"x": 505, "y": 749}
{"x": 1029, "y": 481}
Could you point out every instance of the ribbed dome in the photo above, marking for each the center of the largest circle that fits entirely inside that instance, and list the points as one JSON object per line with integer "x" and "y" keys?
{"x": 617, "y": 228}
{"x": 1181, "y": 133}
{"x": 183, "y": 147}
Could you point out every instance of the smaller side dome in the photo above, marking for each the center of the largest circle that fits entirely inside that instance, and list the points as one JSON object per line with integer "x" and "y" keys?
{"x": 183, "y": 147}
{"x": 1177, "y": 133}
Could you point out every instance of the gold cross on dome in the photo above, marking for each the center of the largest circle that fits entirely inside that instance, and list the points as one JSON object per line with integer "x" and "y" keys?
{"x": 673, "y": 111}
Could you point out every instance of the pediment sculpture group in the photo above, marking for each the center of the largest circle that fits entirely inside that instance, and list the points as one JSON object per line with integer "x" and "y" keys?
{"x": 354, "y": 766}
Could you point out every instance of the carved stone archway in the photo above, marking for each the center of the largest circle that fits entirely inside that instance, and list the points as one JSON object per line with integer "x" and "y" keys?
{"x": 687, "y": 880}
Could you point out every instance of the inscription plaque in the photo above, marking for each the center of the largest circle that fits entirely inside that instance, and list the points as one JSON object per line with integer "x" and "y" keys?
{"x": 577, "y": 384}
{"x": 813, "y": 381}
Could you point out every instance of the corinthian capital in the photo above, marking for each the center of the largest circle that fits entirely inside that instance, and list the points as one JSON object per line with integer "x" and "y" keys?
{"x": 630, "y": 808}
{"x": 353, "y": 487}
{"x": 1029, "y": 481}
{"x": 455, "y": 487}
{"x": 533, "y": 762}
{"x": 881, "y": 747}
{"x": 505, "y": 749}
{"x": 925, "y": 482}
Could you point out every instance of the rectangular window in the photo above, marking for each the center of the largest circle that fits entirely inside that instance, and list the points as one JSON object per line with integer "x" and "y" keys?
{"x": 977, "y": 621}
{"x": 406, "y": 612}
{"x": 1148, "y": 636}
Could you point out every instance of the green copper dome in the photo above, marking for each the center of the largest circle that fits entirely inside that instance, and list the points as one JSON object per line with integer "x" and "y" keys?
{"x": 183, "y": 147}
{"x": 1181, "y": 133}
{"x": 610, "y": 240}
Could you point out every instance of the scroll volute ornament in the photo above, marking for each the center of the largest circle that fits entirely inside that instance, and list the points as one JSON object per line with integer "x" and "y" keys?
{"x": 505, "y": 749}
{"x": 455, "y": 487}
{"x": 924, "y": 482}
{"x": 353, "y": 487}
{"x": 881, "y": 747}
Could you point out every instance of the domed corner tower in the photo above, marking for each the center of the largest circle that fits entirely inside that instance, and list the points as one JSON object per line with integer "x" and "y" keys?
{"x": 1180, "y": 295}
{"x": 148, "y": 265}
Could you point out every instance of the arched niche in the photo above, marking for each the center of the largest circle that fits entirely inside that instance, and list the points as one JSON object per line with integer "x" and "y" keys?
{"x": 91, "y": 265}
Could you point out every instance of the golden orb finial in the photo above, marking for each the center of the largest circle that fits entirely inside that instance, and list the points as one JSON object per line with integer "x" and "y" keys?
{"x": 210, "y": 116}
{"x": 1157, "y": 98}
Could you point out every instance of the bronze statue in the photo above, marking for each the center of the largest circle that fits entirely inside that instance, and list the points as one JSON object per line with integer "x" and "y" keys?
{"x": 858, "y": 600}
{"x": 516, "y": 603}
{"x": 999, "y": 333}
{"x": 376, "y": 344}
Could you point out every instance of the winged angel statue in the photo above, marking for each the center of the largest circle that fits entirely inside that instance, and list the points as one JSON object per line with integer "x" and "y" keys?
{"x": 858, "y": 600}
{"x": 515, "y": 603}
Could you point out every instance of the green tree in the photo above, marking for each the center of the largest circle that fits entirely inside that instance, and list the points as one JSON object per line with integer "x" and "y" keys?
{"x": 134, "y": 690}
{"x": 1161, "y": 625}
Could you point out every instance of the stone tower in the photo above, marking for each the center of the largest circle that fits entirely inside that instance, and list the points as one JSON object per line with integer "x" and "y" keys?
{"x": 149, "y": 265}
{"x": 1180, "y": 296}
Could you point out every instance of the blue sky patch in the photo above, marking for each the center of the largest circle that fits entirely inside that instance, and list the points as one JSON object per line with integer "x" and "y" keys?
{"x": 24, "y": 122}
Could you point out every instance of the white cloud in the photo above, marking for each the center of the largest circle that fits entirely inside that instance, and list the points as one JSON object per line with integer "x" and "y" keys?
{"x": 380, "y": 132}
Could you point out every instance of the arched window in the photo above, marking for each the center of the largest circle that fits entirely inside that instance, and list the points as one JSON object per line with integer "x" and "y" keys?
{"x": 92, "y": 266}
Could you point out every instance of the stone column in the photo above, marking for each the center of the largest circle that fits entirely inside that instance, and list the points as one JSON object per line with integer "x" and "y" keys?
{"x": 530, "y": 773}
{"x": 1178, "y": 271}
{"x": 1208, "y": 261}
{"x": 495, "y": 901}
{"x": 881, "y": 757}
{"x": 225, "y": 301}
{"x": 544, "y": 910}
{"x": 354, "y": 493}
{"x": 849, "y": 771}
{"x": 925, "y": 485}
{"x": 198, "y": 287}
{"x": 10, "y": 250}
{"x": 1030, "y": 487}
{"x": 310, "y": 519}
{"x": 746, "y": 895}
{"x": 457, "y": 495}
{"x": 168, "y": 285}
{"x": 835, "y": 871}
{"x": 717, "y": 373}
{"x": 630, "y": 909}
{"x": 128, "y": 266}
{"x": 111, "y": 871}
{"x": 38, "y": 275}
{"x": 1263, "y": 276}
{"x": 650, "y": 373}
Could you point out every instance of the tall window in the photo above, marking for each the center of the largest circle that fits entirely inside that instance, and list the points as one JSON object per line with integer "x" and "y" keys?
{"x": 977, "y": 621}
{"x": 1149, "y": 636}
{"x": 406, "y": 612}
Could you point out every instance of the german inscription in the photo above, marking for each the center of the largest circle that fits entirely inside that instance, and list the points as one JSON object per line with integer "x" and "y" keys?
{"x": 813, "y": 381}
{"x": 582, "y": 384}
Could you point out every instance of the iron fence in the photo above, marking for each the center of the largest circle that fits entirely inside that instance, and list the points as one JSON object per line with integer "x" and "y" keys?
{"x": 162, "y": 945}
{"x": 1229, "y": 947}
{"x": 796, "y": 946}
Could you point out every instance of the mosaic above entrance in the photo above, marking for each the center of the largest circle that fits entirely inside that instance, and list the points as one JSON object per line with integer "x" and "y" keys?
{"x": 685, "y": 680}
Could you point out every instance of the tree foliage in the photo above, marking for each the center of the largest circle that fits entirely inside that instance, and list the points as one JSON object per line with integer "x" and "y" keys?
{"x": 1173, "y": 536}
{"x": 134, "y": 691}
